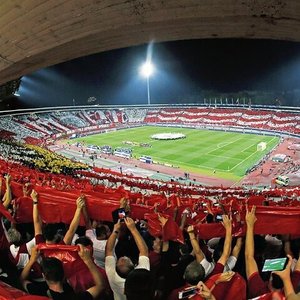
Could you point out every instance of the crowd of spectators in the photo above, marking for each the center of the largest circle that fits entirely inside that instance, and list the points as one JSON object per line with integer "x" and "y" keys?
{"x": 46, "y": 124}
{"x": 39, "y": 158}
{"x": 161, "y": 256}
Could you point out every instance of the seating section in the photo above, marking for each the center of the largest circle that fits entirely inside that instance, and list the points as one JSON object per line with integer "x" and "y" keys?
{"x": 41, "y": 126}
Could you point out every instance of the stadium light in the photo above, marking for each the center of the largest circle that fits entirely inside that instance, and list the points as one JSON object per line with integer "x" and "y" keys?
{"x": 147, "y": 70}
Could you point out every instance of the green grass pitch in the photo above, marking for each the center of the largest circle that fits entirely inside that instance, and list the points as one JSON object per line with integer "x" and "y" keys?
{"x": 218, "y": 153}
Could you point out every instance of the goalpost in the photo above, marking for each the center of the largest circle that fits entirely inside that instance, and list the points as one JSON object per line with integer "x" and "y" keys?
{"x": 261, "y": 146}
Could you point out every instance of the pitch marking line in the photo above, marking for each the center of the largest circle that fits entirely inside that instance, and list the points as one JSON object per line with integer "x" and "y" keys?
{"x": 248, "y": 156}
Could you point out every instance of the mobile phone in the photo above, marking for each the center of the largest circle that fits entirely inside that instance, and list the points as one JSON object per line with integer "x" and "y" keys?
{"x": 219, "y": 218}
{"x": 276, "y": 264}
{"x": 187, "y": 292}
{"x": 121, "y": 214}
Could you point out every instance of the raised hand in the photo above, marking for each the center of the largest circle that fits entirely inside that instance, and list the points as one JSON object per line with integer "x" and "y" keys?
{"x": 250, "y": 216}
{"x": 80, "y": 202}
{"x": 35, "y": 253}
{"x": 286, "y": 273}
{"x": 226, "y": 221}
{"x": 204, "y": 291}
{"x": 130, "y": 223}
{"x": 7, "y": 179}
{"x": 34, "y": 195}
{"x": 190, "y": 229}
{"x": 84, "y": 253}
{"x": 162, "y": 220}
{"x": 226, "y": 276}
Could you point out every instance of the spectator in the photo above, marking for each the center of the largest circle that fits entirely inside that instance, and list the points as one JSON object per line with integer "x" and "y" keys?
{"x": 213, "y": 267}
{"x": 118, "y": 270}
{"x": 256, "y": 285}
{"x": 139, "y": 285}
{"x": 285, "y": 276}
{"x": 55, "y": 285}
{"x": 49, "y": 235}
{"x": 98, "y": 234}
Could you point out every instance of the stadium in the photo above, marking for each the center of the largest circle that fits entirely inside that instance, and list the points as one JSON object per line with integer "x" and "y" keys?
{"x": 189, "y": 200}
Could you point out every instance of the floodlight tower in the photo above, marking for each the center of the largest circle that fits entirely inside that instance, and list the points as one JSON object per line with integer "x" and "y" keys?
{"x": 147, "y": 70}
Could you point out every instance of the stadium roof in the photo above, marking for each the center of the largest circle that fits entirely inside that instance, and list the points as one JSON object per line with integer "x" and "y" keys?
{"x": 38, "y": 33}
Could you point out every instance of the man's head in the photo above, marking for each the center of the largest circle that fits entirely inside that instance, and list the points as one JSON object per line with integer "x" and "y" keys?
{"x": 139, "y": 285}
{"x": 52, "y": 269}
{"x": 124, "y": 266}
{"x": 50, "y": 234}
{"x": 102, "y": 232}
{"x": 194, "y": 273}
{"x": 14, "y": 236}
{"x": 84, "y": 241}
{"x": 157, "y": 245}
{"x": 275, "y": 282}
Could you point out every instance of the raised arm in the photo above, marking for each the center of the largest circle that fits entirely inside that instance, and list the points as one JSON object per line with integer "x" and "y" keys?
{"x": 140, "y": 242}
{"x": 24, "y": 277}
{"x": 287, "y": 244}
{"x": 75, "y": 222}
{"x": 251, "y": 265}
{"x": 7, "y": 196}
{"x": 285, "y": 275}
{"x": 237, "y": 248}
{"x": 110, "y": 244}
{"x": 37, "y": 222}
{"x": 196, "y": 248}
{"x": 184, "y": 216}
{"x": 87, "y": 220}
{"x": 86, "y": 257}
{"x": 228, "y": 238}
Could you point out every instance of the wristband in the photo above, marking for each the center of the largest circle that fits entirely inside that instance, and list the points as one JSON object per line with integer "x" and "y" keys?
{"x": 34, "y": 202}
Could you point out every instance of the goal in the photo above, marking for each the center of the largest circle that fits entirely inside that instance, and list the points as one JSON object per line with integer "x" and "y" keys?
{"x": 261, "y": 146}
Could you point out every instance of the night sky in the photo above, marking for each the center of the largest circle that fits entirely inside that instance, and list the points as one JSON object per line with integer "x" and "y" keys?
{"x": 183, "y": 71}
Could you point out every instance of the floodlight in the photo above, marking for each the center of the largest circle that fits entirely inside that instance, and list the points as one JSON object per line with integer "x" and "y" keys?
{"x": 147, "y": 69}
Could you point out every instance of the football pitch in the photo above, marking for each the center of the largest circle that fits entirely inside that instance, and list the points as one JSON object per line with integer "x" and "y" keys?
{"x": 217, "y": 153}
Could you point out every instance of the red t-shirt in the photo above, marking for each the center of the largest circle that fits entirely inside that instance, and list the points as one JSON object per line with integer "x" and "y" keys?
{"x": 256, "y": 286}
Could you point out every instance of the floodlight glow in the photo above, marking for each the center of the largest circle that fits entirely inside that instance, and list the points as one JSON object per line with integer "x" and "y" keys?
{"x": 147, "y": 69}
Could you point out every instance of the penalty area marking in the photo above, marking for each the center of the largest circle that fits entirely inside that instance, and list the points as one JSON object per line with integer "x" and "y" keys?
{"x": 249, "y": 155}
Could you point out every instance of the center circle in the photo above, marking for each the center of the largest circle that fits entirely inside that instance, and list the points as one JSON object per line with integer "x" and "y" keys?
{"x": 168, "y": 136}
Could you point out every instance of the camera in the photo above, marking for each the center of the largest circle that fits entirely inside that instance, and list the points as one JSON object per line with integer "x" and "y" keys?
{"x": 187, "y": 292}
{"x": 276, "y": 264}
{"x": 219, "y": 218}
{"x": 121, "y": 214}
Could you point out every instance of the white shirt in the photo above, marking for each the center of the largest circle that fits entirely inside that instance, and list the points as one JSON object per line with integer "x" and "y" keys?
{"x": 23, "y": 258}
{"x": 98, "y": 248}
{"x": 116, "y": 282}
{"x": 230, "y": 264}
{"x": 208, "y": 266}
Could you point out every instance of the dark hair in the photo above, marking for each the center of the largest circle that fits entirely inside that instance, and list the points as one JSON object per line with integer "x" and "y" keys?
{"x": 49, "y": 232}
{"x": 123, "y": 271}
{"x": 295, "y": 246}
{"x": 101, "y": 230}
{"x": 260, "y": 243}
{"x": 139, "y": 285}
{"x": 84, "y": 241}
{"x": 218, "y": 251}
{"x": 53, "y": 269}
{"x": 194, "y": 273}
{"x": 209, "y": 218}
{"x": 277, "y": 282}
